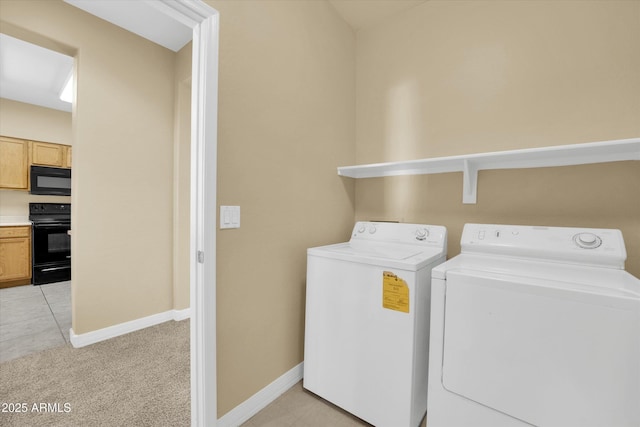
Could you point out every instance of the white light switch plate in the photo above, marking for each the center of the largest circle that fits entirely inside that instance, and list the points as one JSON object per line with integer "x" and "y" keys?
{"x": 229, "y": 217}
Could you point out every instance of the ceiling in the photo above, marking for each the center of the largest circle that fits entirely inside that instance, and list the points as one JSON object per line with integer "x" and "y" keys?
{"x": 148, "y": 19}
{"x": 35, "y": 75}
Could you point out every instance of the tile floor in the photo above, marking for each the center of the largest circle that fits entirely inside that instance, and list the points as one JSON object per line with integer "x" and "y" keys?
{"x": 34, "y": 318}
{"x": 299, "y": 408}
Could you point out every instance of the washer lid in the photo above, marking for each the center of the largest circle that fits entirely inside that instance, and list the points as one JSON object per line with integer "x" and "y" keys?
{"x": 379, "y": 250}
{"x": 407, "y": 257}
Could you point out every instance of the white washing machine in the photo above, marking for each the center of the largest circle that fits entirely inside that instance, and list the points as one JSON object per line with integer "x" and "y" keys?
{"x": 367, "y": 321}
{"x": 535, "y": 326}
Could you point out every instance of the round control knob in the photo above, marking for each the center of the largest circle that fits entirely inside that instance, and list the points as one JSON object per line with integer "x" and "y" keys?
{"x": 372, "y": 229}
{"x": 361, "y": 229}
{"x": 422, "y": 233}
{"x": 587, "y": 240}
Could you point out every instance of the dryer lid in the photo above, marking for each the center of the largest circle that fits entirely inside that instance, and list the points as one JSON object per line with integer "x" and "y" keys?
{"x": 543, "y": 355}
{"x": 552, "y": 275}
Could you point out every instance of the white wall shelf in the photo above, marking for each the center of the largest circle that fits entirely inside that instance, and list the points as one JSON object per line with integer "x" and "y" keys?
{"x": 469, "y": 165}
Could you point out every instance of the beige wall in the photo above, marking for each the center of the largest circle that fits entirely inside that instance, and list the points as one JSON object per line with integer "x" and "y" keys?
{"x": 20, "y": 120}
{"x": 286, "y": 121}
{"x": 16, "y": 203}
{"x": 448, "y": 78}
{"x": 27, "y": 121}
{"x": 122, "y": 198}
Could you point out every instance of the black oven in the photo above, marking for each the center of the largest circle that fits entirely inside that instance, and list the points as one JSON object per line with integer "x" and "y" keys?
{"x": 51, "y": 242}
{"x": 50, "y": 181}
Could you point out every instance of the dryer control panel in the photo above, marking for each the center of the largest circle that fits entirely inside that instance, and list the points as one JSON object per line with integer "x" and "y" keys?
{"x": 392, "y": 232}
{"x": 597, "y": 247}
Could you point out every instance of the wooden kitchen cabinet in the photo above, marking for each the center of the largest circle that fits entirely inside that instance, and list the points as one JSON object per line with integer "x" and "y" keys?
{"x": 47, "y": 154}
{"x": 14, "y": 163}
{"x": 15, "y": 256}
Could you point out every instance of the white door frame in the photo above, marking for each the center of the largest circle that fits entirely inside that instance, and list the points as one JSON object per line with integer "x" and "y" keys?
{"x": 204, "y": 20}
{"x": 204, "y": 151}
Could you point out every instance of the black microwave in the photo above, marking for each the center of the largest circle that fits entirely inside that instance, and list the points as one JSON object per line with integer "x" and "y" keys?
{"x": 50, "y": 181}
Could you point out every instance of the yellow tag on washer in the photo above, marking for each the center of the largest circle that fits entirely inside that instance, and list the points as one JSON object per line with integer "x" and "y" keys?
{"x": 395, "y": 292}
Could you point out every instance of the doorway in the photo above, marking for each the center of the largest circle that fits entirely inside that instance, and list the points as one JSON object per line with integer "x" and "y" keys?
{"x": 203, "y": 21}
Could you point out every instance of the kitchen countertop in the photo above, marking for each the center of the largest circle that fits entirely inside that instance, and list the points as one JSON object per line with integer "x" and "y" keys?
{"x": 8, "y": 221}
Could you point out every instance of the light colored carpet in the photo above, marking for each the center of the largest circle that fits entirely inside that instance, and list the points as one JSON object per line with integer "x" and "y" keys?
{"x": 138, "y": 379}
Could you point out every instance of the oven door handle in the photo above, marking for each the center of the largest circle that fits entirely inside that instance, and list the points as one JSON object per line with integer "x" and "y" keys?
{"x": 55, "y": 268}
{"x": 57, "y": 225}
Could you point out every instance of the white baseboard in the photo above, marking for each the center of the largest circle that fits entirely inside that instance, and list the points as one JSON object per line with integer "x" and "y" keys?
{"x": 93, "y": 337}
{"x": 261, "y": 399}
{"x": 179, "y": 315}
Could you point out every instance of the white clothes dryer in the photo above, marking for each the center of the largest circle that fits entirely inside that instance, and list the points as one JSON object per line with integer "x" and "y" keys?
{"x": 367, "y": 321}
{"x": 535, "y": 326}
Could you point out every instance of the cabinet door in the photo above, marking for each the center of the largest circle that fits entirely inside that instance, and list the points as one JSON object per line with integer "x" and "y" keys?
{"x": 67, "y": 157}
{"x": 46, "y": 154}
{"x": 14, "y": 163}
{"x": 15, "y": 253}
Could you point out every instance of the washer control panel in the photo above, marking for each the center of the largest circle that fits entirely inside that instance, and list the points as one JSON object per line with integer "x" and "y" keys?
{"x": 393, "y": 232}
{"x": 600, "y": 247}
